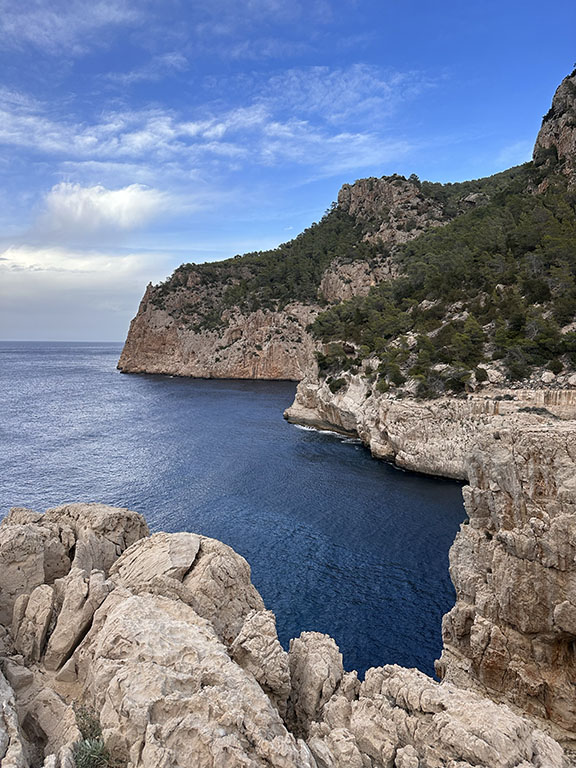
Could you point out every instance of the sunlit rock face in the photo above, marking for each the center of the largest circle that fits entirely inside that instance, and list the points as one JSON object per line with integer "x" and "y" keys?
{"x": 556, "y": 143}
{"x": 169, "y": 643}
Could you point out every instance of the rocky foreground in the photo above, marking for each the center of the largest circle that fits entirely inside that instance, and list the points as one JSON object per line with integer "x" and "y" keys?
{"x": 168, "y": 641}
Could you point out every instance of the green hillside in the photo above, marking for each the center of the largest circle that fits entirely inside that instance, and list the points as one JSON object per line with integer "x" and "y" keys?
{"x": 496, "y": 284}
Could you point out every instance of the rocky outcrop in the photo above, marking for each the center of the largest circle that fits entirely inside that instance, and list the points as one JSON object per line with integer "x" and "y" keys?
{"x": 345, "y": 279}
{"x": 38, "y": 549}
{"x": 182, "y": 664}
{"x": 556, "y": 143}
{"x": 401, "y": 718}
{"x": 435, "y": 437}
{"x": 393, "y": 208}
{"x": 258, "y": 345}
{"x": 512, "y": 632}
{"x": 189, "y": 328}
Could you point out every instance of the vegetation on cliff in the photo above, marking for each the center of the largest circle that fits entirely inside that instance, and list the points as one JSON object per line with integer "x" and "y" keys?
{"x": 267, "y": 279}
{"x": 496, "y": 284}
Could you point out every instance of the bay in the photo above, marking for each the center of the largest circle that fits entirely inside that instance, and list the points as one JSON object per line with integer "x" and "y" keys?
{"x": 338, "y": 542}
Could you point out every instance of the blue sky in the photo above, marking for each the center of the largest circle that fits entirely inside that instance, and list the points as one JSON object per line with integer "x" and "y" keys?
{"x": 139, "y": 134}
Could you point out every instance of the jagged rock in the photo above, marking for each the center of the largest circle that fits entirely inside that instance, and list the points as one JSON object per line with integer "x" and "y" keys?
{"x": 182, "y": 662}
{"x": 169, "y": 694}
{"x": 11, "y": 747}
{"x": 78, "y": 595}
{"x": 316, "y": 671}
{"x": 38, "y": 549}
{"x": 434, "y": 437}
{"x": 17, "y": 674}
{"x": 101, "y": 532}
{"x": 512, "y": 630}
{"x": 556, "y": 142}
{"x": 204, "y": 573}
{"x": 48, "y": 724}
{"x": 258, "y": 651}
{"x": 32, "y": 615}
{"x": 21, "y": 565}
{"x": 393, "y": 208}
{"x": 403, "y": 719}
{"x": 343, "y": 280}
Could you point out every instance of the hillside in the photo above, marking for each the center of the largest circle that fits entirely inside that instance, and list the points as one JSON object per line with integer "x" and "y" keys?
{"x": 426, "y": 288}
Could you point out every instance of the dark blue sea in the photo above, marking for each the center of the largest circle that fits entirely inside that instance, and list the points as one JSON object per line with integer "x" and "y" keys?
{"x": 338, "y": 542}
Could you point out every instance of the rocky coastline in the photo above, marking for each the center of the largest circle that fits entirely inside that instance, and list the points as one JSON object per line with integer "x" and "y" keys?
{"x": 164, "y": 640}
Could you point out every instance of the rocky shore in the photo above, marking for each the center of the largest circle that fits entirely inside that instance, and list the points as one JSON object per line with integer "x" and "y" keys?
{"x": 168, "y": 645}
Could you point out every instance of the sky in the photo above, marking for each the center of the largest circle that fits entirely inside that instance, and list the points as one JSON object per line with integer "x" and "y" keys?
{"x": 136, "y": 135}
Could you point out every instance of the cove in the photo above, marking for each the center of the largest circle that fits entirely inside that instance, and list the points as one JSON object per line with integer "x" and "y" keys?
{"x": 338, "y": 542}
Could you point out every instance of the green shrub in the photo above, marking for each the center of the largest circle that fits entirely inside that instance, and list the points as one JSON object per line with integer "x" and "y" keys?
{"x": 555, "y": 366}
{"x": 336, "y": 384}
{"x": 91, "y": 753}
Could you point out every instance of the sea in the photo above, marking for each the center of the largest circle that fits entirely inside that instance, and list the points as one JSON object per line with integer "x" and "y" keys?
{"x": 338, "y": 542}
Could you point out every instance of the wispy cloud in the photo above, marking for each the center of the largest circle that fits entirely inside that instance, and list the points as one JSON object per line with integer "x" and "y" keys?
{"x": 50, "y": 26}
{"x": 157, "y": 68}
{"x": 346, "y": 94}
{"x": 297, "y": 117}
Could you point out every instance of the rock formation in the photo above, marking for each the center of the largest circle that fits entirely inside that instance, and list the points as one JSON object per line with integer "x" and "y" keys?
{"x": 556, "y": 142}
{"x": 434, "y": 437}
{"x": 512, "y": 632}
{"x": 172, "y": 331}
{"x": 172, "y": 650}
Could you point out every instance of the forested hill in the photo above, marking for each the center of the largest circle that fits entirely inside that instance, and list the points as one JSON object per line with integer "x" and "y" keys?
{"x": 422, "y": 286}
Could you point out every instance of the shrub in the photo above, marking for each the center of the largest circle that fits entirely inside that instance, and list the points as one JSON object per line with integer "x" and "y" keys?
{"x": 336, "y": 384}
{"x": 555, "y": 366}
{"x": 91, "y": 753}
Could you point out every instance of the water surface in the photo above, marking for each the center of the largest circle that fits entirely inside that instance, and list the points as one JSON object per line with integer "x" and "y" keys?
{"x": 338, "y": 541}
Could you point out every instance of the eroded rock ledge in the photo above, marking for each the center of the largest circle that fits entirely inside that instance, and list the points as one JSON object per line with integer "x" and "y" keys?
{"x": 166, "y": 638}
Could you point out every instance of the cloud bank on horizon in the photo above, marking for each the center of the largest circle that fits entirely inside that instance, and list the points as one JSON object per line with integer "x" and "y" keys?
{"x": 138, "y": 134}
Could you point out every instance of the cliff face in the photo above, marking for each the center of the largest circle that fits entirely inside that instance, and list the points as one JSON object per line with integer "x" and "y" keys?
{"x": 393, "y": 209}
{"x": 159, "y": 650}
{"x": 257, "y": 345}
{"x": 435, "y": 437}
{"x": 193, "y": 326}
{"x": 512, "y": 632}
{"x": 556, "y": 142}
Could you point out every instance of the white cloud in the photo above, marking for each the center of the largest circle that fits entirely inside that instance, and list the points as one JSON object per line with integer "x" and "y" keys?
{"x": 343, "y": 94}
{"x": 52, "y": 26}
{"x": 294, "y": 118}
{"x": 73, "y": 293}
{"x": 156, "y": 69}
{"x": 71, "y": 210}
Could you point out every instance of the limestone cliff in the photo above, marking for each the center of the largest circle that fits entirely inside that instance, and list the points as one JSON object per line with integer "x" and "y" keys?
{"x": 241, "y": 319}
{"x": 512, "y": 632}
{"x": 556, "y": 142}
{"x": 435, "y": 437}
{"x": 162, "y": 654}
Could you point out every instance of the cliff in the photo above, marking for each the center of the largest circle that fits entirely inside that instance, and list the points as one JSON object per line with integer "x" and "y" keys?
{"x": 149, "y": 651}
{"x": 249, "y": 317}
{"x": 556, "y": 143}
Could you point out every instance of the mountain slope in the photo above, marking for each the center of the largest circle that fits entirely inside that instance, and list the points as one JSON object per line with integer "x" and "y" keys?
{"x": 423, "y": 286}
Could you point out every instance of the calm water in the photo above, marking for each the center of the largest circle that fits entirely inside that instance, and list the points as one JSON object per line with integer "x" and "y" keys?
{"x": 338, "y": 542}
